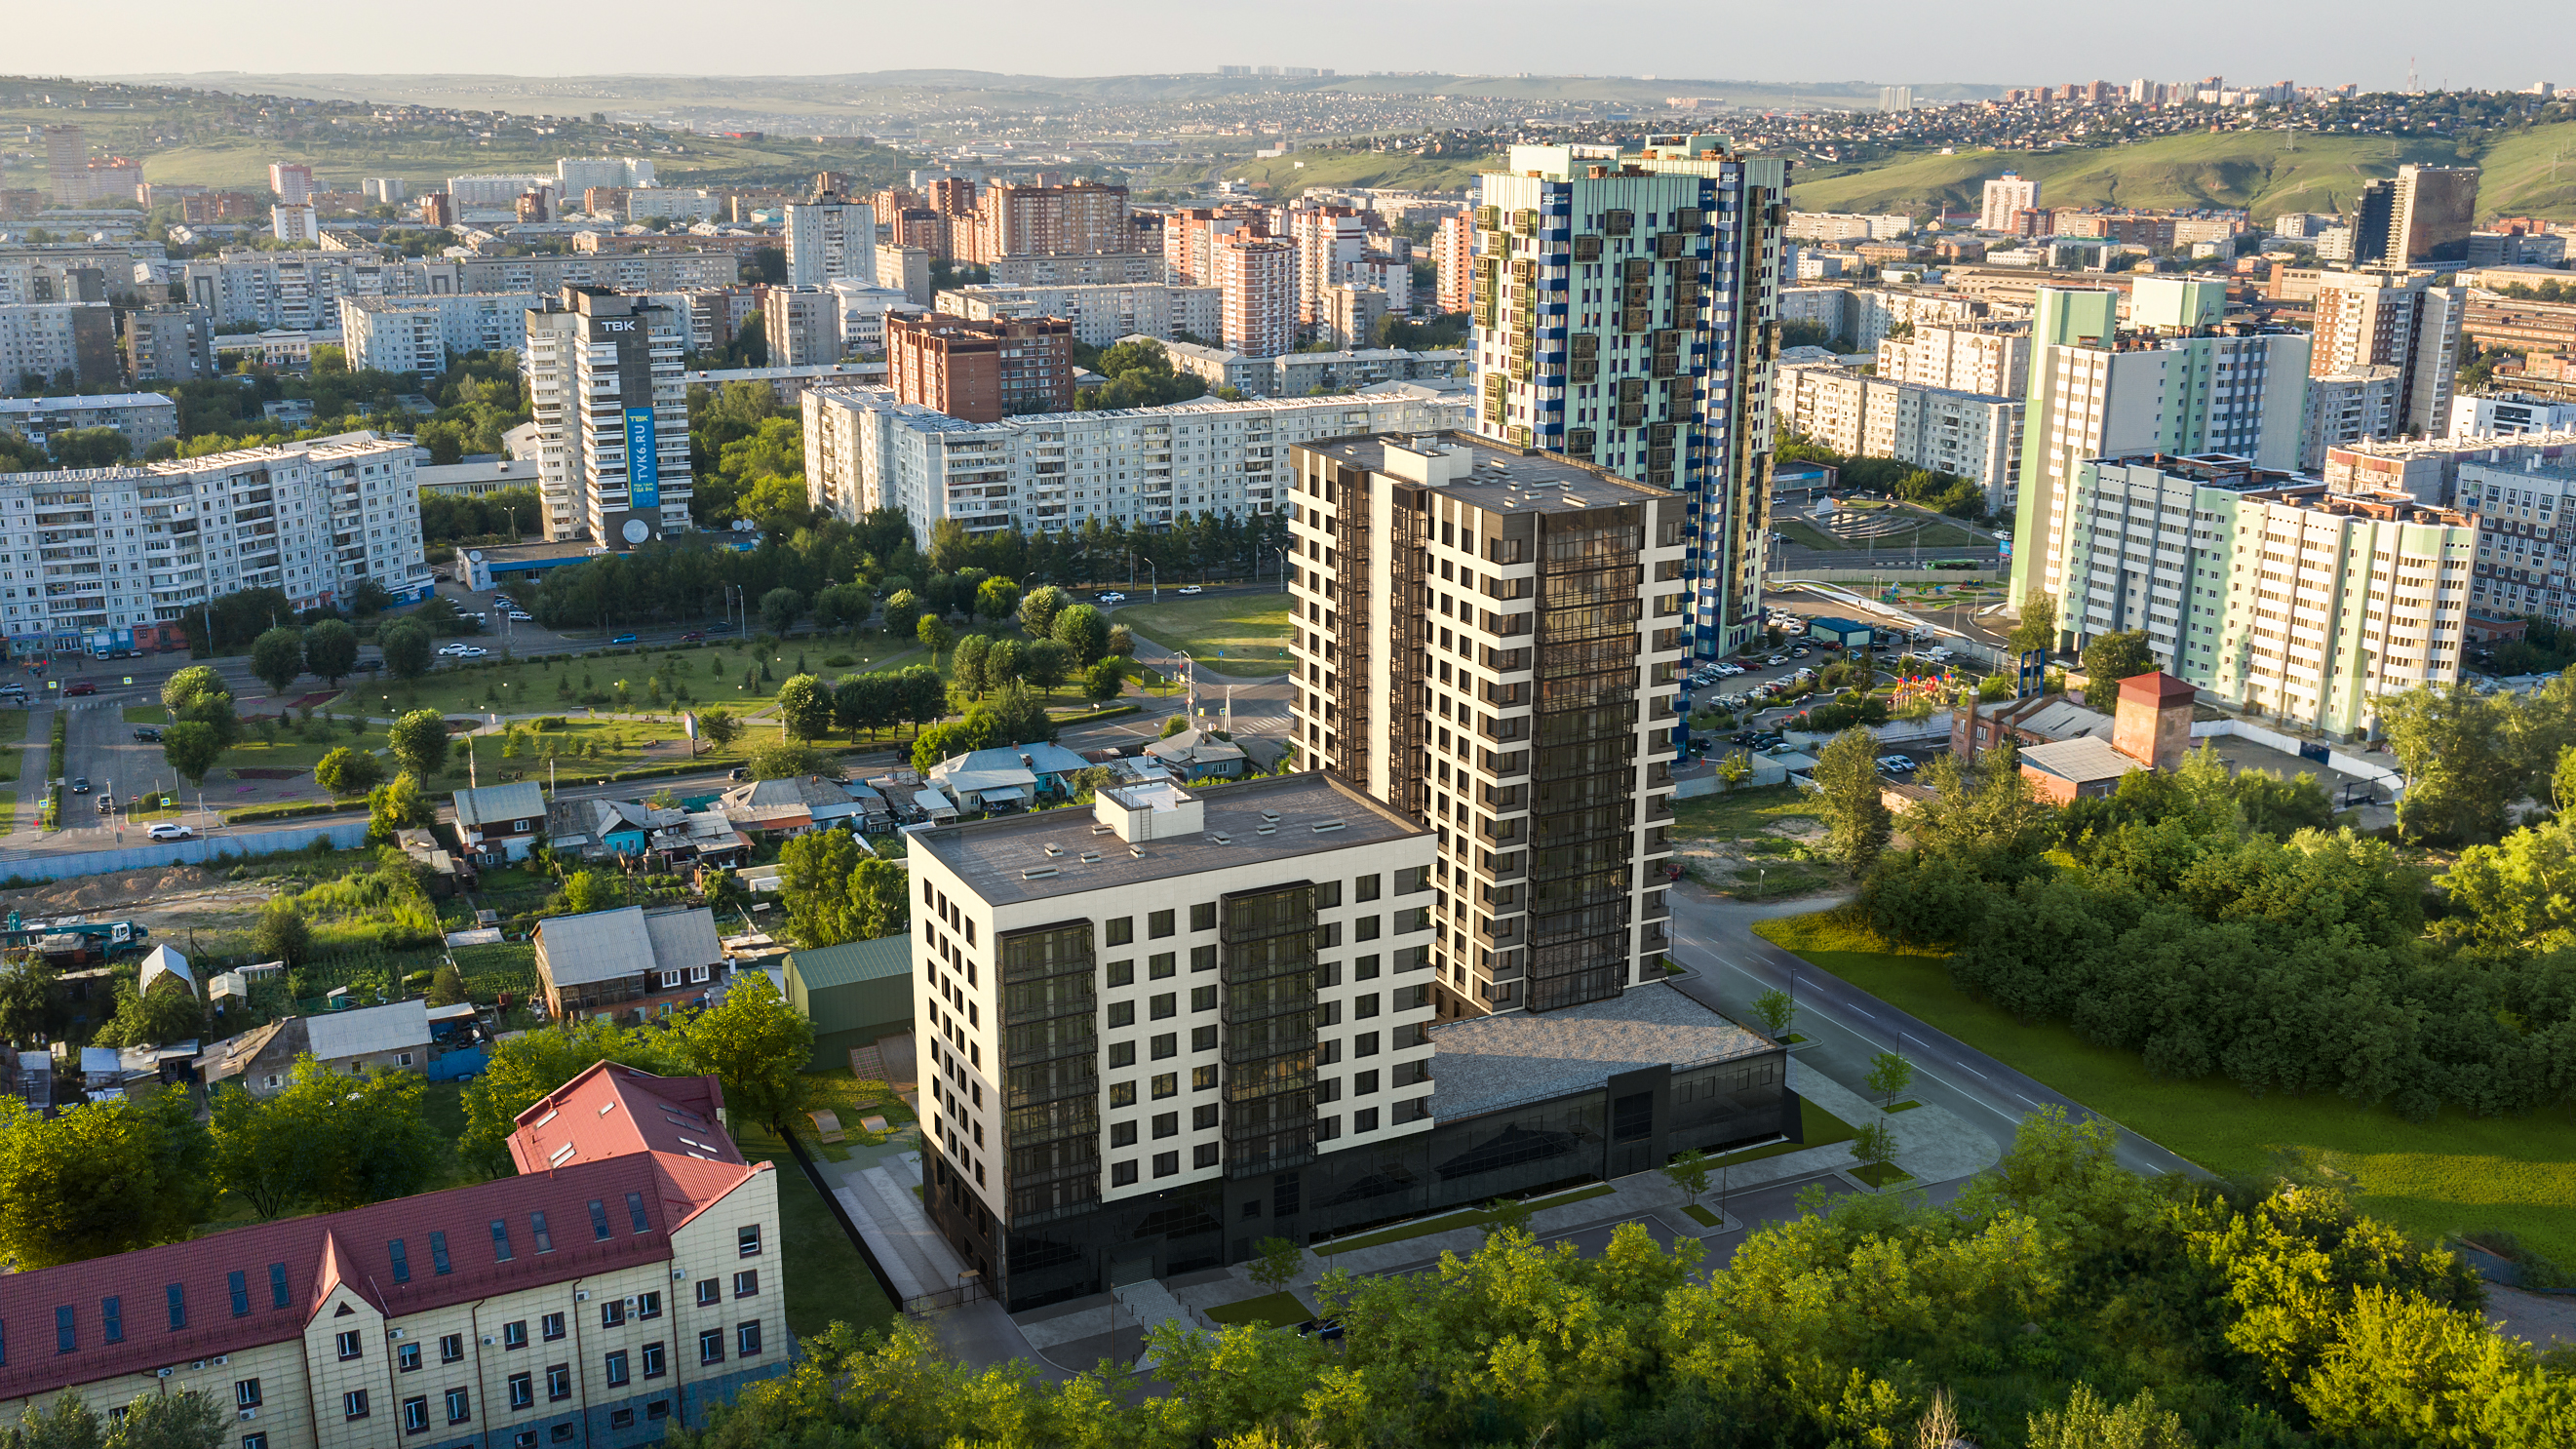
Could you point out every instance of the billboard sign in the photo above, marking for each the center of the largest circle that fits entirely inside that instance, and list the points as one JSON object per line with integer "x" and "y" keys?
{"x": 643, "y": 463}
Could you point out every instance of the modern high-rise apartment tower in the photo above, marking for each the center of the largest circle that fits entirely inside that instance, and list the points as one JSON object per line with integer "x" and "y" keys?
{"x": 831, "y": 239}
{"x": 1488, "y": 641}
{"x": 1626, "y": 314}
{"x": 612, "y": 416}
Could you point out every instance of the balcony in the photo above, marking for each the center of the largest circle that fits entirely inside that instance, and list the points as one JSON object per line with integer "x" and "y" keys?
{"x": 1502, "y": 831}
{"x": 1659, "y": 808}
{"x": 1509, "y": 866}
{"x": 1657, "y": 907}
{"x": 1505, "y": 932}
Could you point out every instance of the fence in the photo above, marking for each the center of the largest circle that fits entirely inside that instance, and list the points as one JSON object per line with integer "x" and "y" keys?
{"x": 1887, "y": 574}
{"x": 33, "y": 865}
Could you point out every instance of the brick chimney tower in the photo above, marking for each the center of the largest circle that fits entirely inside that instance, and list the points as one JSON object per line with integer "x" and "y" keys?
{"x": 2152, "y": 724}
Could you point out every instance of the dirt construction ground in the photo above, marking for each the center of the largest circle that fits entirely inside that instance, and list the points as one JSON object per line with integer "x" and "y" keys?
{"x": 167, "y": 901}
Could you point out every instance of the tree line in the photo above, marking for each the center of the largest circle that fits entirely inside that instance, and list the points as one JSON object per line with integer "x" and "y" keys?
{"x": 2059, "y": 1302}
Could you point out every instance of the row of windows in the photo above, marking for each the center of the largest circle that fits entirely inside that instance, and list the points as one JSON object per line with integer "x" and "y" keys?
{"x": 111, "y": 1310}
{"x": 619, "y": 1368}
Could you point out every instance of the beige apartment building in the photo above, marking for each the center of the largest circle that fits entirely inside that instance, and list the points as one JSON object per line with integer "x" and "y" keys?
{"x": 628, "y": 1277}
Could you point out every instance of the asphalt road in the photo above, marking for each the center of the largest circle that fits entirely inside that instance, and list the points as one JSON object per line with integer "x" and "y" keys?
{"x": 1730, "y": 966}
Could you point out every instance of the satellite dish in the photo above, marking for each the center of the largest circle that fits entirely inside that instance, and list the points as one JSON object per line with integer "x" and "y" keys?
{"x": 637, "y": 530}
{"x": 474, "y": 555}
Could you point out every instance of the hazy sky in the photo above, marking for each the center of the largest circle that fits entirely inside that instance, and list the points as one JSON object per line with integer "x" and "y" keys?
{"x": 2493, "y": 44}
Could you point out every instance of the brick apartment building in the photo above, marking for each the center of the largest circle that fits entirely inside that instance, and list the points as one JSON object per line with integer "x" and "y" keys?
{"x": 981, "y": 371}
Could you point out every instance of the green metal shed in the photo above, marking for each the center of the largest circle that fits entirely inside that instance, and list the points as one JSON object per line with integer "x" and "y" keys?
{"x": 853, "y": 994}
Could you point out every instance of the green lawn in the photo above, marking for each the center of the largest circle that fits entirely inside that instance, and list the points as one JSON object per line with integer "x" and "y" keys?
{"x": 1929, "y": 532}
{"x": 1251, "y": 630}
{"x": 1740, "y": 814}
{"x": 1703, "y": 1216}
{"x": 2453, "y": 1173}
{"x": 1470, "y": 1218}
{"x": 831, "y": 1282}
{"x": 146, "y": 714}
{"x": 1818, "y": 1128}
{"x": 15, "y": 725}
{"x": 713, "y": 676}
{"x": 1270, "y": 1310}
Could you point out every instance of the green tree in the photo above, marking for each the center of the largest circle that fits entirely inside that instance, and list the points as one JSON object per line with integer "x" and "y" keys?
{"x": 345, "y": 771}
{"x": 419, "y": 741}
{"x": 1122, "y": 642}
{"x": 197, "y": 695}
{"x": 2520, "y": 892}
{"x": 2460, "y": 774}
{"x": 1015, "y": 715}
{"x": 902, "y": 613}
{"x": 1007, "y": 664}
{"x": 28, "y": 1009}
{"x": 586, "y": 891}
{"x": 967, "y": 664}
{"x": 397, "y": 805}
{"x": 282, "y": 933}
{"x": 90, "y": 447}
{"x": 2090, "y": 1422}
{"x": 107, "y": 1177}
{"x": 719, "y": 727}
{"x": 331, "y": 651}
{"x": 276, "y": 657}
{"x": 327, "y": 1141}
{"x": 757, "y": 1045}
{"x": 780, "y": 608}
{"x": 790, "y": 759}
{"x": 524, "y": 1067}
{"x": 191, "y": 747}
{"x": 69, "y": 1422}
{"x": 1275, "y": 1263}
{"x": 813, "y": 879}
{"x": 1039, "y": 607}
{"x": 805, "y": 707}
{"x": 188, "y": 1419}
{"x": 447, "y": 985}
{"x": 997, "y": 599}
{"x": 1047, "y": 666}
{"x": 1103, "y": 682}
{"x": 1848, "y": 797}
{"x": 2111, "y": 658}
{"x": 1688, "y": 1172}
{"x": 940, "y": 742}
{"x": 1081, "y": 629}
{"x": 407, "y": 650}
{"x": 1889, "y": 1074}
{"x": 934, "y": 634}
{"x": 1775, "y": 1010}
{"x": 880, "y": 904}
{"x": 2038, "y": 626}
{"x": 167, "y": 1014}
{"x": 1873, "y": 1144}
{"x": 1507, "y": 1217}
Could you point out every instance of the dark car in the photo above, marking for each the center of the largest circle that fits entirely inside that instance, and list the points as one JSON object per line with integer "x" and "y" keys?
{"x": 147, "y": 735}
{"x": 80, "y": 784}
{"x": 738, "y": 772}
{"x": 80, "y": 686}
{"x": 694, "y": 636}
{"x": 370, "y": 666}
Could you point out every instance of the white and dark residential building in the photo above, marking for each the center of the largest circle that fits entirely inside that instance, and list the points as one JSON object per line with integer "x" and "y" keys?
{"x": 831, "y": 239}
{"x": 1971, "y": 435}
{"x": 611, "y": 406}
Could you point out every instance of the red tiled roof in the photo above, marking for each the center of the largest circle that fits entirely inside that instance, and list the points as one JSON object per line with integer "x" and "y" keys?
{"x": 320, "y": 1252}
{"x": 2157, "y": 686}
{"x": 610, "y": 1110}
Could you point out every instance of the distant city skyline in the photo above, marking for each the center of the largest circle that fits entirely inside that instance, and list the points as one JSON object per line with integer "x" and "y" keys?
{"x": 1673, "y": 40}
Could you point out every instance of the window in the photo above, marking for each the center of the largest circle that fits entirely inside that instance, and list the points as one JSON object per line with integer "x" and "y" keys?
{"x": 635, "y": 1213}
{"x": 238, "y": 1285}
{"x": 1203, "y": 958}
{"x": 277, "y": 1285}
{"x": 1364, "y": 1044}
{"x": 438, "y": 1262}
{"x": 710, "y": 1292}
{"x": 415, "y": 1413}
{"x": 654, "y": 1366}
{"x": 523, "y": 1391}
{"x": 407, "y": 1357}
{"x": 551, "y": 1326}
{"x": 1167, "y": 1164}
{"x": 1203, "y": 1118}
{"x": 1364, "y": 889}
{"x": 1168, "y": 1084}
{"x": 514, "y": 1334}
{"x": 1328, "y": 894}
{"x": 1121, "y": 973}
{"x": 612, "y": 1313}
{"x": 711, "y": 1346}
{"x": 1364, "y": 929}
{"x": 1364, "y": 1120}
{"x": 1166, "y": 1004}
{"x": 500, "y": 1241}
{"x": 649, "y": 1306}
{"x": 1203, "y": 916}
{"x": 1123, "y": 1094}
{"x": 558, "y": 1382}
{"x": 451, "y": 1348}
{"x": 537, "y": 1230}
{"x": 658, "y": 1409}
{"x": 562, "y": 1433}
{"x": 746, "y": 1283}
{"x": 1364, "y": 969}
{"x": 349, "y": 1345}
{"x": 1167, "y": 1124}
{"x": 1202, "y": 998}
{"x": 401, "y": 1260}
{"x": 1158, "y": 924}
{"x": 254, "y": 1441}
{"x": 1203, "y": 1155}
{"x": 246, "y": 1393}
{"x": 111, "y": 1313}
{"x": 746, "y": 1242}
{"x": 1364, "y": 1084}
{"x": 617, "y": 1367}
{"x": 598, "y": 1221}
{"x": 459, "y": 1407}
{"x": 1202, "y": 1079}
{"x": 1162, "y": 964}
{"x": 524, "y": 1439}
{"x": 1122, "y": 1013}
{"x": 1121, "y": 931}
{"x": 1122, "y": 1174}
{"x": 353, "y": 1405}
{"x": 621, "y": 1418}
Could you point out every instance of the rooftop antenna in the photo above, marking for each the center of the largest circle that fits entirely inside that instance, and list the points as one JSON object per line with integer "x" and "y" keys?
{"x": 2413, "y": 87}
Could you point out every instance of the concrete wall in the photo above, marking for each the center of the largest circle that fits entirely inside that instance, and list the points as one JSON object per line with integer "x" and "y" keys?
{"x": 342, "y": 835}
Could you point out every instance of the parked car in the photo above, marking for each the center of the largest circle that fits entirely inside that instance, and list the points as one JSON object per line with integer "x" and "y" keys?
{"x": 623, "y": 639}
{"x": 171, "y": 830}
{"x": 1775, "y": 661}
{"x": 522, "y": 616}
{"x": 370, "y": 666}
{"x": 80, "y": 784}
{"x": 472, "y": 652}
{"x": 454, "y": 648}
{"x": 147, "y": 735}
{"x": 1896, "y": 764}
{"x": 1191, "y": 589}
{"x": 1798, "y": 653}
{"x": 80, "y": 686}
{"x": 738, "y": 772}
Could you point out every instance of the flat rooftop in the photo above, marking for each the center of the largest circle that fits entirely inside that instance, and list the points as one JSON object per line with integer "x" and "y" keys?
{"x": 1483, "y": 1064}
{"x": 1501, "y": 475}
{"x": 992, "y": 857}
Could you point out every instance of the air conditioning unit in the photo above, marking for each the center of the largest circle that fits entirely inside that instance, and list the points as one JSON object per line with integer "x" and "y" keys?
{"x": 581, "y": 1295}
{"x": 198, "y": 1367}
{"x": 163, "y": 1373}
{"x": 678, "y": 1274}
{"x": 221, "y": 1359}
{"x": 249, "y": 1414}
{"x": 394, "y": 1333}
{"x": 631, "y": 1301}
{"x": 488, "y": 1340}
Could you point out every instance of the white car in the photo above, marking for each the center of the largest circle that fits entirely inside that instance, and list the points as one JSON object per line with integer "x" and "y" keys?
{"x": 168, "y": 830}
{"x": 1895, "y": 764}
{"x": 454, "y": 648}
{"x": 472, "y": 652}
{"x": 1113, "y": 598}
{"x": 522, "y": 616}
{"x": 1191, "y": 589}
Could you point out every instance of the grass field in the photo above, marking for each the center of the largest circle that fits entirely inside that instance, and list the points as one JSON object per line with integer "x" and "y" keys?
{"x": 1270, "y": 1310}
{"x": 1251, "y": 630}
{"x": 1740, "y": 814}
{"x": 1469, "y": 1218}
{"x": 1298, "y": 171}
{"x": 713, "y": 677}
{"x": 1931, "y": 533}
{"x": 15, "y": 725}
{"x": 2452, "y": 1173}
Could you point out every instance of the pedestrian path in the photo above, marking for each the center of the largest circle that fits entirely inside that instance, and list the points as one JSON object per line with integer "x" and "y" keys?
{"x": 880, "y": 1200}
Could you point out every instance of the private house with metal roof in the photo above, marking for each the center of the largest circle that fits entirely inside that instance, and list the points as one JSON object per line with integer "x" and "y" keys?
{"x": 787, "y": 807}
{"x": 500, "y": 823}
{"x": 364, "y": 1041}
{"x": 986, "y": 781}
{"x": 1197, "y": 754}
{"x": 853, "y": 994}
{"x": 601, "y": 829}
{"x": 628, "y": 1278}
{"x": 635, "y": 961}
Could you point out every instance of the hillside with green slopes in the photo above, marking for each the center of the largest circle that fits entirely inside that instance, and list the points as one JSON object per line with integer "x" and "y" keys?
{"x": 1302, "y": 170}
{"x": 2257, "y": 170}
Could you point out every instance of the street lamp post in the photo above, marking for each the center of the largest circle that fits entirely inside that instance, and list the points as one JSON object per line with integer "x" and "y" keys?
{"x": 1283, "y": 568}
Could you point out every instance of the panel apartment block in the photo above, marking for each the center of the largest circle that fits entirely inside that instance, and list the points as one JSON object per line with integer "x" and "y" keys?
{"x": 612, "y": 412}
{"x": 1488, "y": 641}
{"x": 1626, "y": 315}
